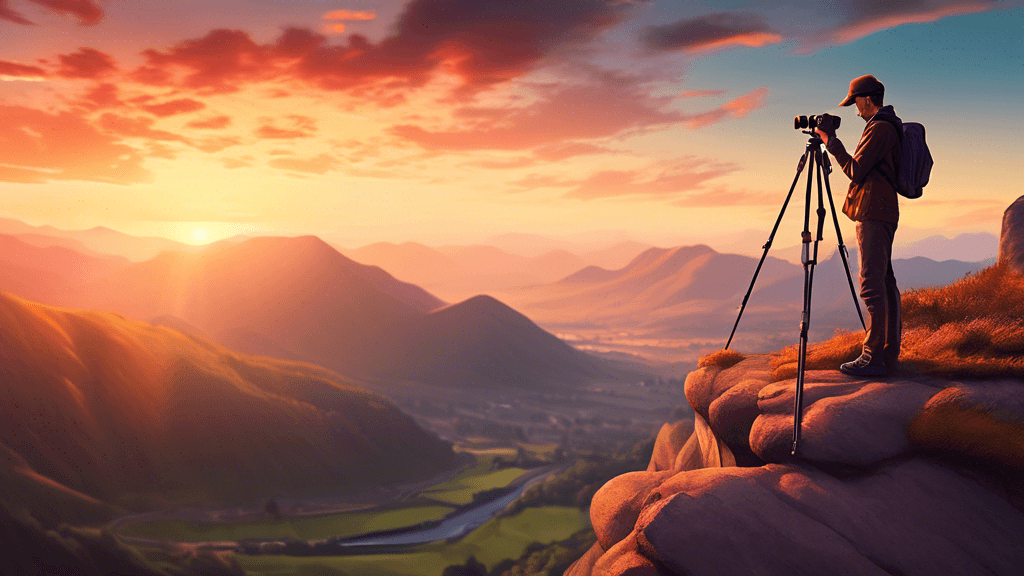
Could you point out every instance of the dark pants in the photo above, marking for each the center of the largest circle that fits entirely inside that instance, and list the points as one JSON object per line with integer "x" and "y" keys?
{"x": 879, "y": 291}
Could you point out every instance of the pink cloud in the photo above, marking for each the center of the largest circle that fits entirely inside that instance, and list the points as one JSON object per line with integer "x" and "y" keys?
{"x": 574, "y": 113}
{"x": 556, "y": 152}
{"x": 685, "y": 175}
{"x": 87, "y": 12}
{"x": 890, "y": 15}
{"x": 728, "y": 197}
{"x": 10, "y": 15}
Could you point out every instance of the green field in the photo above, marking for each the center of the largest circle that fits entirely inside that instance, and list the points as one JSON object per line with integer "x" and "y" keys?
{"x": 445, "y": 496}
{"x": 496, "y": 540}
{"x": 460, "y": 490}
{"x": 312, "y": 528}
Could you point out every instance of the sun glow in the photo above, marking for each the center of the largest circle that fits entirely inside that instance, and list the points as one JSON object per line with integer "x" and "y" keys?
{"x": 199, "y": 235}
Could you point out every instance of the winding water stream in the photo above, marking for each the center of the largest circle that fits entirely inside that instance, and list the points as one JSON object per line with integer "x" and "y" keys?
{"x": 455, "y": 526}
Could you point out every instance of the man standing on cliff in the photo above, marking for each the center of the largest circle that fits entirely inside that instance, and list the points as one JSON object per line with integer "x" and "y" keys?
{"x": 871, "y": 203}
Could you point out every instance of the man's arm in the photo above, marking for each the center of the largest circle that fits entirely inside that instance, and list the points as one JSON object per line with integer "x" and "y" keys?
{"x": 877, "y": 141}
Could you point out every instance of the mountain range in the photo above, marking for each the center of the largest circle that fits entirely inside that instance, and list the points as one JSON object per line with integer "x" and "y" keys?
{"x": 457, "y": 272}
{"x": 299, "y": 299}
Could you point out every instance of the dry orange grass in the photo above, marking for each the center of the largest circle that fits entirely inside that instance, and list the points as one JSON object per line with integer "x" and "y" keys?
{"x": 971, "y": 328}
{"x": 722, "y": 359}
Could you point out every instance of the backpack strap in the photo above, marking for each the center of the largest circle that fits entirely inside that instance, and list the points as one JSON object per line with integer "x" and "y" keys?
{"x": 899, "y": 140}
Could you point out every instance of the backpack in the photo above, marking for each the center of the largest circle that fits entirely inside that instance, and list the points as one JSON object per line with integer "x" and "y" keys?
{"x": 916, "y": 163}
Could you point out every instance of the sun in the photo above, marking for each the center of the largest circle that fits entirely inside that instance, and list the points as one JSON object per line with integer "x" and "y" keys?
{"x": 199, "y": 235}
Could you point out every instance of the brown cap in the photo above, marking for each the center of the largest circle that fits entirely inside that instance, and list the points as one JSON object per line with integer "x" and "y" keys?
{"x": 861, "y": 86}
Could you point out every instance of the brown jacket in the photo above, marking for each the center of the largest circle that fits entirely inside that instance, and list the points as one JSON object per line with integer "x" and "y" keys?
{"x": 870, "y": 197}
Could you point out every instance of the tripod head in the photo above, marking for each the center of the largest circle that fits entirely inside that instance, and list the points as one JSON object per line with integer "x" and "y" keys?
{"x": 814, "y": 138}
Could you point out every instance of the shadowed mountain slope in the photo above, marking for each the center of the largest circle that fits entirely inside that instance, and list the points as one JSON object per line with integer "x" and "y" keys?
{"x": 483, "y": 340}
{"x": 96, "y": 407}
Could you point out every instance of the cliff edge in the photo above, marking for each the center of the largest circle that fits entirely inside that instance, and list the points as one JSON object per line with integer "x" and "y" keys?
{"x": 920, "y": 473}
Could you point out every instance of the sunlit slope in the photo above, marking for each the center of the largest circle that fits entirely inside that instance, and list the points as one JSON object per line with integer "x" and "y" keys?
{"x": 114, "y": 408}
{"x": 300, "y": 299}
{"x": 655, "y": 282}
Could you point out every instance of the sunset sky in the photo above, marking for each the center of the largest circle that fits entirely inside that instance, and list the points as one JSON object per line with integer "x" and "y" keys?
{"x": 450, "y": 121}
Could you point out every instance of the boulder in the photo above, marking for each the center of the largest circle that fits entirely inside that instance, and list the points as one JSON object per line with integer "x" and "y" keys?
{"x": 625, "y": 559}
{"x": 615, "y": 507}
{"x": 914, "y": 517}
{"x": 911, "y": 476}
{"x": 846, "y": 420}
{"x": 585, "y": 565}
{"x": 667, "y": 445}
{"x": 1011, "y": 238}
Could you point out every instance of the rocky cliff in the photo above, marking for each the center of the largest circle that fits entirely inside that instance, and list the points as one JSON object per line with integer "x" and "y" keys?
{"x": 908, "y": 475}
{"x": 1011, "y": 239}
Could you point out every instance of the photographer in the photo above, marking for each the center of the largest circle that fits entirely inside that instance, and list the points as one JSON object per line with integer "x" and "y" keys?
{"x": 871, "y": 203}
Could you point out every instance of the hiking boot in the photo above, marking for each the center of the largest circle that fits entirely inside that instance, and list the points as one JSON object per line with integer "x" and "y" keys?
{"x": 862, "y": 367}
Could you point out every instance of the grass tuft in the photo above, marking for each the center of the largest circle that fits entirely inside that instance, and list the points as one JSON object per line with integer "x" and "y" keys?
{"x": 722, "y": 359}
{"x": 971, "y": 328}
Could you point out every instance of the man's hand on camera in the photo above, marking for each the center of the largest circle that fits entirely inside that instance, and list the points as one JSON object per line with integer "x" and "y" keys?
{"x": 825, "y": 136}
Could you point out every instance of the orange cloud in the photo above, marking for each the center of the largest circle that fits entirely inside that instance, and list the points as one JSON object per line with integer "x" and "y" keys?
{"x": 172, "y": 107}
{"x": 214, "y": 123}
{"x": 39, "y": 147}
{"x": 14, "y": 70}
{"x": 350, "y": 15}
{"x": 320, "y": 165}
{"x": 710, "y": 32}
{"x": 86, "y": 63}
{"x": 102, "y": 96}
{"x": 139, "y": 127}
{"x": 701, "y": 93}
{"x": 556, "y": 152}
{"x": 272, "y": 132}
{"x": 87, "y": 12}
{"x": 890, "y": 16}
{"x": 736, "y": 108}
{"x": 483, "y": 43}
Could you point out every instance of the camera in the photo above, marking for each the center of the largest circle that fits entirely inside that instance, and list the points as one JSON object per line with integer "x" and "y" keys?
{"x": 820, "y": 121}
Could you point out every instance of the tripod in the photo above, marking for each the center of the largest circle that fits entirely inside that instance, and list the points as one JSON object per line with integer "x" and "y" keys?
{"x": 808, "y": 259}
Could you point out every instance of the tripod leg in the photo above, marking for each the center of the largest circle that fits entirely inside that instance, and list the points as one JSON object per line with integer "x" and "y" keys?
{"x": 842, "y": 247}
{"x": 805, "y": 322}
{"x": 767, "y": 246}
